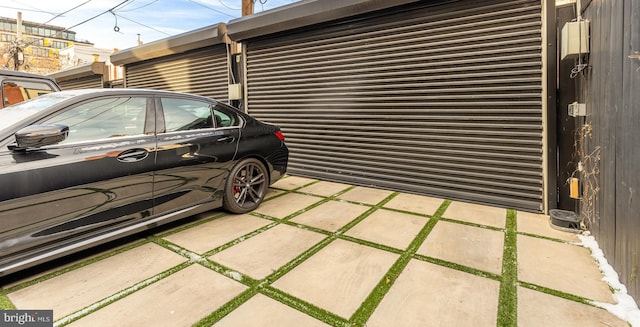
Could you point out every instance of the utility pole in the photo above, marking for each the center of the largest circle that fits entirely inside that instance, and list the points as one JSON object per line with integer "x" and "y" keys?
{"x": 16, "y": 47}
{"x": 247, "y": 7}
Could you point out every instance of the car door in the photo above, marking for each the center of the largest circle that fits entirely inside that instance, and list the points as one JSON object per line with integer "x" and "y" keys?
{"x": 195, "y": 152}
{"x": 16, "y": 89}
{"x": 98, "y": 179}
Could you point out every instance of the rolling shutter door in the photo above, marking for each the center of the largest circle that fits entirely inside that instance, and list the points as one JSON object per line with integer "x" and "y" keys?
{"x": 89, "y": 82}
{"x": 442, "y": 100}
{"x": 202, "y": 72}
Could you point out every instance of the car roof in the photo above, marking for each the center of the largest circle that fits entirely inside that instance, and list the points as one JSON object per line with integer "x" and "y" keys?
{"x": 99, "y": 91}
{"x": 13, "y": 73}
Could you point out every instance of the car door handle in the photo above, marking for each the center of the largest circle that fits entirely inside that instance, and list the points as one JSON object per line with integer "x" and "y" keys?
{"x": 133, "y": 155}
{"x": 228, "y": 139}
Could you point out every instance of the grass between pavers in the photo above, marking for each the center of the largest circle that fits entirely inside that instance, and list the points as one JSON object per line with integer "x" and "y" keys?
{"x": 5, "y": 303}
{"x": 366, "y": 309}
{"x": 120, "y": 295}
{"x": 507, "y": 309}
{"x": 263, "y": 286}
{"x": 508, "y": 300}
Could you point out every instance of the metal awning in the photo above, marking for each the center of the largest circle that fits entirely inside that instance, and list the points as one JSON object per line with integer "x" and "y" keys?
{"x": 196, "y": 39}
{"x": 94, "y": 68}
{"x": 303, "y": 13}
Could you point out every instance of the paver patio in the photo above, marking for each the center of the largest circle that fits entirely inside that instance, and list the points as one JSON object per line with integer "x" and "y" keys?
{"x": 320, "y": 253}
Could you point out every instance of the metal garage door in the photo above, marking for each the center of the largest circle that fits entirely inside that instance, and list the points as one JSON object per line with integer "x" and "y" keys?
{"x": 443, "y": 100}
{"x": 93, "y": 81}
{"x": 202, "y": 72}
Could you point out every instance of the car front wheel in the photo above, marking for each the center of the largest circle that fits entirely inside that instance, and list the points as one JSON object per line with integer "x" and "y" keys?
{"x": 246, "y": 186}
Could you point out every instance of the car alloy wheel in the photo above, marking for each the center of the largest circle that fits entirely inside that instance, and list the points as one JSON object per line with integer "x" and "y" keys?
{"x": 246, "y": 186}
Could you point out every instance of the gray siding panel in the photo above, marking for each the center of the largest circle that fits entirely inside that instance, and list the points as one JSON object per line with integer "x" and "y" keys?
{"x": 202, "y": 72}
{"x": 440, "y": 100}
{"x": 609, "y": 148}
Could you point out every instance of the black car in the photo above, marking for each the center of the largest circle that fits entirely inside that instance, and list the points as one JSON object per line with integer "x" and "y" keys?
{"x": 21, "y": 86}
{"x": 79, "y": 168}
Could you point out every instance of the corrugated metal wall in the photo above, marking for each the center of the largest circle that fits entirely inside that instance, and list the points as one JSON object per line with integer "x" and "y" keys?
{"x": 88, "y": 82}
{"x": 203, "y": 72}
{"x": 611, "y": 155}
{"x": 443, "y": 100}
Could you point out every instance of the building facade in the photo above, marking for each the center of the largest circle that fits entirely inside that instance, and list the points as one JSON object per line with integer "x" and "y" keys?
{"x": 38, "y": 48}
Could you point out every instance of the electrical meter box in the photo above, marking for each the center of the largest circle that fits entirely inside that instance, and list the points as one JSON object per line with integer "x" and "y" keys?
{"x": 575, "y": 39}
{"x": 235, "y": 91}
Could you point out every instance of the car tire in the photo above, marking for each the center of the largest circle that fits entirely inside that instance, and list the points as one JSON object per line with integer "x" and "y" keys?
{"x": 246, "y": 186}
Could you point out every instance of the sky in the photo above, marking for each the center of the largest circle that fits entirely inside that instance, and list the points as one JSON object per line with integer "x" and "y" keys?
{"x": 152, "y": 19}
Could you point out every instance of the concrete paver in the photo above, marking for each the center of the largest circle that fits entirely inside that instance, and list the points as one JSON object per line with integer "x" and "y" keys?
{"x": 325, "y": 188}
{"x": 272, "y": 192}
{"x": 415, "y": 203}
{"x": 339, "y": 277}
{"x": 217, "y": 232}
{"x": 460, "y": 244}
{"x": 547, "y": 310}
{"x": 389, "y": 228}
{"x": 561, "y": 266}
{"x": 287, "y": 205}
{"x": 178, "y": 300}
{"x": 82, "y": 287}
{"x": 292, "y": 182}
{"x": 365, "y": 195}
{"x": 475, "y": 213}
{"x": 430, "y": 295}
{"x": 537, "y": 224}
{"x": 331, "y": 216}
{"x": 150, "y": 285}
{"x": 266, "y": 252}
{"x": 261, "y": 311}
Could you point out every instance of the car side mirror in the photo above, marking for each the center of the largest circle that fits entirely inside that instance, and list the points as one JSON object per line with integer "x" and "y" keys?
{"x": 35, "y": 136}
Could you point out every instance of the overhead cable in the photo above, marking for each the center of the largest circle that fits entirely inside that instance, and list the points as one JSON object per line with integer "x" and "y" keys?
{"x": 25, "y": 9}
{"x": 145, "y": 5}
{"x": 214, "y": 9}
{"x": 133, "y": 21}
{"x": 98, "y": 15}
{"x": 60, "y": 14}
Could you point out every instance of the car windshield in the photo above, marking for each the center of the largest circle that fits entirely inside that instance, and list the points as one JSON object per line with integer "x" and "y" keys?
{"x": 13, "y": 114}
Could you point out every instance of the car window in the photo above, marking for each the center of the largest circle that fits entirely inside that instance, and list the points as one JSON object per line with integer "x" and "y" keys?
{"x": 23, "y": 110}
{"x": 17, "y": 91}
{"x": 224, "y": 116}
{"x": 103, "y": 118}
{"x": 184, "y": 114}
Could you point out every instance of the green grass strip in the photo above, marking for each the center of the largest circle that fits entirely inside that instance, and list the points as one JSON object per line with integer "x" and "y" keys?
{"x": 120, "y": 295}
{"x": 364, "y": 312}
{"x": 458, "y": 267}
{"x": 467, "y": 223}
{"x": 508, "y": 302}
{"x": 227, "y": 308}
{"x": 546, "y": 238}
{"x": 240, "y": 239}
{"x": 184, "y": 224}
{"x": 5, "y": 303}
{"x": 317, "y": 204}
{"x": 557, "y": 293}
{"x": 203, "y": 261}
{"x": 256, "y": 286}
{"x": 306, "y": 307}
{"x": 75, "y": 266}
{"x": 370, "y": 244}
